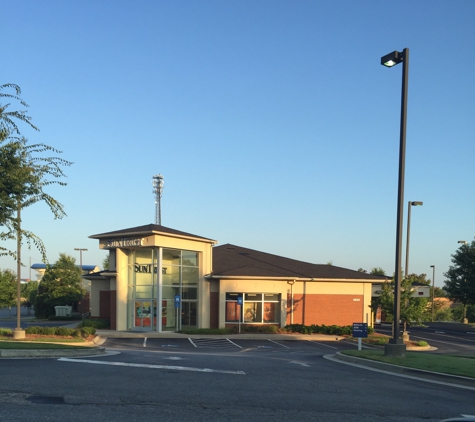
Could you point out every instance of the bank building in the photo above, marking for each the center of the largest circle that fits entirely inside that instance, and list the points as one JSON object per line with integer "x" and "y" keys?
{"x": 160, "y": 279}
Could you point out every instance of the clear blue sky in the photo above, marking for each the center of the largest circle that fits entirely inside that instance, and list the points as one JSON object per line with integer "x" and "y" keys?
{"x": 273, "y": 122}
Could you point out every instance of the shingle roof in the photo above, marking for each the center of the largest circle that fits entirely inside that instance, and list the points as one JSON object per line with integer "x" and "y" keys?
{"x": 147, "y": 229}
{"x": 235, "y": 261}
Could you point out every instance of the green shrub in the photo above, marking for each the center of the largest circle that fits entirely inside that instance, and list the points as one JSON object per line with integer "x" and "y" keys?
{"x": 88, "y": 331}
{"x": 422, "y": 343}
{"x": 48, "y": 331}
{"x": 266, "y": 329}
{"x": 63, "y": 331}
{"x": 97, "y": 323}
{"x": 5, "y": 332}
{"x": 33, "y": 330}
{"x": 209, "y": 331}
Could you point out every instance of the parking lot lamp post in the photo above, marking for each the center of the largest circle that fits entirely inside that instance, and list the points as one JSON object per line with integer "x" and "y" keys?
{"x": 465, "y": 320}
{"x": 81, "y": 250}
{"x": 433, "y": 290}
{"x": 396, "y": 346}
{"x": 410, "y": 204}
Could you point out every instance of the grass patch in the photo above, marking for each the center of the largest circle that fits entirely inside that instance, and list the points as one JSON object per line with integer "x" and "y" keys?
{"x": 444, "y": 364}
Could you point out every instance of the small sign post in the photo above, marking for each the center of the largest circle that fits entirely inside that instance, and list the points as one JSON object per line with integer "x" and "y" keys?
{"x": 177, "y": 301}
{"x": 239, "y": 302}
{"x": 360, "y": 331}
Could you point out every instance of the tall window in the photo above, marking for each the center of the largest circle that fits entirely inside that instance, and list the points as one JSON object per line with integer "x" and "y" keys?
{"x": 180, "y": 275}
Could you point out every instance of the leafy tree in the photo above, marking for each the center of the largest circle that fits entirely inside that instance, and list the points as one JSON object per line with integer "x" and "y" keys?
{"x": 105, "y": 263}
{"x": 460, "y": 283}
{"x": 377, "y": 271}
{"x": 412, "y": 308}
{"x": 60, "y": 286}
{"x": 24, "y": 173}
{"x": 8, "y": 288}
{"x": 8, "y": 119}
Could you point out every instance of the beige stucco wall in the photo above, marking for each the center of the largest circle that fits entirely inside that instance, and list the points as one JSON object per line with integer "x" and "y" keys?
{"x": 339, "y": 287}
{"x": 119, "y": 262}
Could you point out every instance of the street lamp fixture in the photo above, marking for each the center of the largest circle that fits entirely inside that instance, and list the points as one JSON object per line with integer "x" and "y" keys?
{"x": 396, "y": 346}
{"x": 392, "y": 59}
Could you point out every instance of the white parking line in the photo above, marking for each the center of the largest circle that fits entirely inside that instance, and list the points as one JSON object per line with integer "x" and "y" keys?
{"x": 141, "y": 365}
{"x": 272, "y": 341}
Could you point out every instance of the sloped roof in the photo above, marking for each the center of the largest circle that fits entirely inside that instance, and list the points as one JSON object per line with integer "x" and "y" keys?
{"x": 235, "y": 261}
{"x": 147, "y": 230}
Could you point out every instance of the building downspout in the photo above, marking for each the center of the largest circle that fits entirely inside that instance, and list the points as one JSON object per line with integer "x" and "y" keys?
{"x": 291, "y": 283}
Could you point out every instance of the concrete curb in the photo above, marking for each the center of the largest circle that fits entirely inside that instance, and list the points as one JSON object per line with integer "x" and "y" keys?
{"x": 51, "y": 353}
{"x": 410, "y": 372}
{"x": 105, "y": 334}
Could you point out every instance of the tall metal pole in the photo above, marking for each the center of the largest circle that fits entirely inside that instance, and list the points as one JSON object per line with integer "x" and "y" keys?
{"x": 400, "y": 201}
{"x": 408, "y": 237}
{"x": 18, "y": 333}
{"x": 433, "y": 290}
{"x": 80, "y": 260}
{"x": 157, "y": 183}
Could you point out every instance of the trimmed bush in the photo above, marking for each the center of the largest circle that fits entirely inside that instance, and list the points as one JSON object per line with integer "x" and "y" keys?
{"x": 97, "y": 323}
{"x": 33, "y": 330}
{"x": 5, "y": 332}
{"x": 63, "y": 331}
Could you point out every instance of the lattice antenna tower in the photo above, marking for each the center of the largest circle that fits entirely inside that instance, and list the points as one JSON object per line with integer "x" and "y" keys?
{"x": 157, "y": 183}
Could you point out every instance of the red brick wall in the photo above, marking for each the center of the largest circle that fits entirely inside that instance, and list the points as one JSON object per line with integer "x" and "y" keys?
{"x": 214, "y": 310}
{"x": 113, "y": 309}
{"x": 326, "y": 309}
{"x": 108, "y": 307}
{"x": 104, "y": 304}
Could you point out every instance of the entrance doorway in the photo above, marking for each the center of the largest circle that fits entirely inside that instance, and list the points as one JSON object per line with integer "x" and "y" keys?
{"x": 188, "y": 315}
{"x": 145, "y": 315}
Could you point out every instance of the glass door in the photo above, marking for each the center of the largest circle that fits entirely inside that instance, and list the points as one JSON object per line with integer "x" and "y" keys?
{"x": 145, "y": 315}
{"x": 188, "y": 315}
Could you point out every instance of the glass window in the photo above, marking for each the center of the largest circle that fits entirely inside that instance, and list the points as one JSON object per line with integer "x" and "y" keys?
{"x": 253, "y": 296}
{"x": 189, "y": 293}
{"x": 170, "y": 257}
{"x": 232, "y": 312}
{"x": 172, "y": 276}
{"x": 270, "y": 312}
{"x": 190, "y": 275}
{"x": 257, "y": 308}
{"x": 189, "y": 258}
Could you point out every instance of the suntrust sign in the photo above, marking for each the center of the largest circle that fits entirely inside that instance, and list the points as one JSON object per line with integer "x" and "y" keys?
{"x": 124, "y": 242}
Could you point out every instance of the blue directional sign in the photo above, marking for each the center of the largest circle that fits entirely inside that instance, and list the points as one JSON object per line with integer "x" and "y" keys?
{"x": 239, "y": 300}
{"x": 177, "y": 301}
{"x": 360, "y": 330}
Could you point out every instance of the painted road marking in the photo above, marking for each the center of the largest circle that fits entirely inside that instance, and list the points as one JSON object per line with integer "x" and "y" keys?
{"x": 300, "y": 363}
{"x": 272, "y": 341}
{"x": 218, "y": 343}
{"x": 141, "y": 365}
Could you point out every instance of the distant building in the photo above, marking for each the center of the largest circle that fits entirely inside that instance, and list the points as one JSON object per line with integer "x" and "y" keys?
{"x": 161, "y": 279}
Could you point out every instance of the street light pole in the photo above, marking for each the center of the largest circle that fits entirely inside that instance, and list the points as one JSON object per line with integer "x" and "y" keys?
{"x": 396, "y": 346}
{"x": 465, "y": 320}
{"x": 81, "y": 250}
{"x": 433, "y": 290}
{"x": 410, "y": 204}
{"x": 408, "y": 237}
